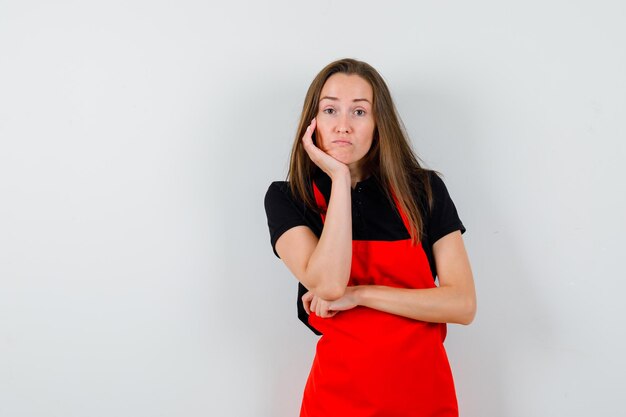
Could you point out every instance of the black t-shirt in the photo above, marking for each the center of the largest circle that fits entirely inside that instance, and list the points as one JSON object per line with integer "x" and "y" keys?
{"x": 374, "y": 216}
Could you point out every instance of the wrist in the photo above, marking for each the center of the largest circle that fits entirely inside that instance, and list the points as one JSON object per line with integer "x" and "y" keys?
{"x": 341, "y": 176}
{"x": 359, "y": 294}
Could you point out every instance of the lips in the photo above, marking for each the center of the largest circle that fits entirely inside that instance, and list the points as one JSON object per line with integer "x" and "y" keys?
{"x": 342, "y": 142}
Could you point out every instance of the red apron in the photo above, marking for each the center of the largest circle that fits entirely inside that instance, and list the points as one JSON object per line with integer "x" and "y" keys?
{"x": 371, "y": 363}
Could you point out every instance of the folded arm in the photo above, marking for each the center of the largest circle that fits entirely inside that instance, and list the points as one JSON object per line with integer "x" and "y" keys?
{"x": 453, "y": 301}
{"x": 323, "y": 266}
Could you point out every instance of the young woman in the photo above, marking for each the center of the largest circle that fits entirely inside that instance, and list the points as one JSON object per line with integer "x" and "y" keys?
{"x": 366, "y": 231}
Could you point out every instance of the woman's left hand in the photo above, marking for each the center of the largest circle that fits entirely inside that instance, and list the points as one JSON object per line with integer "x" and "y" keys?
{"x": 324, "y": 308}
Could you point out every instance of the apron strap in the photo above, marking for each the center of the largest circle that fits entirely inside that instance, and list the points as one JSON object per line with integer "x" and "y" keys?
{"x": 321, "y": 201}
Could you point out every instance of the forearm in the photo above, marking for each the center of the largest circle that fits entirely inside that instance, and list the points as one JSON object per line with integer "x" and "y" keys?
{"x": 447, "y": 304}
{"x": 329, "y": 264}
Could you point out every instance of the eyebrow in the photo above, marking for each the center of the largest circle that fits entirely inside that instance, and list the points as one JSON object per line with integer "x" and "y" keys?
{"x": 335, "y": 99}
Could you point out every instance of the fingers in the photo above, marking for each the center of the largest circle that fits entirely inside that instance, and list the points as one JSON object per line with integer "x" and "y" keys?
{"x": 306, "y": 301}
{"x": 316, "y": 305}
{"x": 323, "y": 160}
{"x": 322, "y": 308}
{"x": 307, "y": 138}
{"x": 319, "y": 308}
{"x": 313, "y": 306}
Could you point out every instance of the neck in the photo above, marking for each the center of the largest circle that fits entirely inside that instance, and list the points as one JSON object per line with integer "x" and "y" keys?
{"x": 356, "y": 174}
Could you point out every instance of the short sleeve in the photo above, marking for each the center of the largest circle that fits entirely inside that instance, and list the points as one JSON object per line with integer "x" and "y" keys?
{"x": 443, "y": 217}
{"x": 282, "y": 211}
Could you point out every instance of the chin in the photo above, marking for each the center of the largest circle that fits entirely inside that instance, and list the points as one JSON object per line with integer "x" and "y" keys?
{"x": 343, "y": 158}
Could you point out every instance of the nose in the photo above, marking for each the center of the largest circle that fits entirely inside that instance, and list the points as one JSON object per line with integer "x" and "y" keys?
{"x": 343, "y": 124}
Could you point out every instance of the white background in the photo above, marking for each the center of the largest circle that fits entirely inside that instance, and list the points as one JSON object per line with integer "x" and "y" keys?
{"x": 138, "y": 138}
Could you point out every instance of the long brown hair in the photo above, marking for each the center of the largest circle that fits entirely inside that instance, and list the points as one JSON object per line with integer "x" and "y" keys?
{"x": 390, "y": 159}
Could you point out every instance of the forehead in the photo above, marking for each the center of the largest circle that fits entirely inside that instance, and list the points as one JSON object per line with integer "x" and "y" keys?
{"x": 347, "y": 87}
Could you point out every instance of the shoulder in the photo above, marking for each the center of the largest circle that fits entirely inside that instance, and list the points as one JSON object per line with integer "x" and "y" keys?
{"x": 425, "y": 183}
{"x": 429, "y": 184}
{"x": 280, "y": 202}
{"x": 284, "y": 211}
{"x": 279, "y": 194}
{"x": 437, "y": 186}
{"x": 276, "y": 191}
{"x": 443, "y": 217}
{"x": 277, "y": 187}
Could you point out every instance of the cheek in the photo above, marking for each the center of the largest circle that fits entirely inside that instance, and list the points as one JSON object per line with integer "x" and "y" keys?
{"x": 369, "y": 134}
{"x": 320, "y": 137}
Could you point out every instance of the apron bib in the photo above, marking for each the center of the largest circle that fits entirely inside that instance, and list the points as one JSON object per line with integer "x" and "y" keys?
{"x": 371, "y": 363}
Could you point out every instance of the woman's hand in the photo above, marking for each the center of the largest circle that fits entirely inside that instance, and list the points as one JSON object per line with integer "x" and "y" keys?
{"x": 332, "y": 167}
{"x": 314, "y": 304}
{"x": 325, "y": 309}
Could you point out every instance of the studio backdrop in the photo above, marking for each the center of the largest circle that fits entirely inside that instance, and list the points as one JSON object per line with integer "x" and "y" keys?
{"x": 138, "y": 138}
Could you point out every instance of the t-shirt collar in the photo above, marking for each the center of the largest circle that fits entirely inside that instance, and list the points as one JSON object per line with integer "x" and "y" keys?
{"x": 324, "y": 183}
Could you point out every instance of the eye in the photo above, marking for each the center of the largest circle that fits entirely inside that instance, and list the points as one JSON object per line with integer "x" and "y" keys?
{"x": 359, "y": 112}
{"x": 329, "y": 110}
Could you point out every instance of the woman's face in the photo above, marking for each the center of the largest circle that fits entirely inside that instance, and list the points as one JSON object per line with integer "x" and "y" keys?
{"x": 345, "y": 119}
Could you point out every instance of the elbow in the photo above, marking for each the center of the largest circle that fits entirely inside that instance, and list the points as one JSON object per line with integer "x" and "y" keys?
{"x": 468, "y": 312}
{"x": 327, "y": 289}
{"x": 329, "y": 292}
